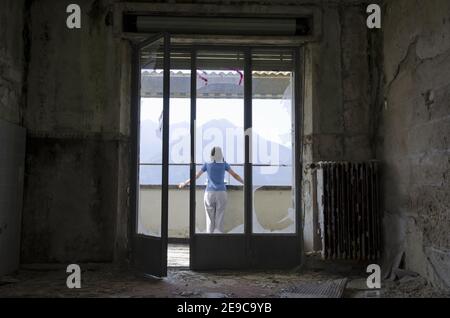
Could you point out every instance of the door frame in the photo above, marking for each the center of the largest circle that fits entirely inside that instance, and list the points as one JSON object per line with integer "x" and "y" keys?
{"x": 249, "y": 250}
{"x": 229, "y": 251}
{"x": 144, "y": 262}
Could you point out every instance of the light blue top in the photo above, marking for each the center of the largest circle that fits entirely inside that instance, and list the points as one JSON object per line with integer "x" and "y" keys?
{"x": 216, "y": 175}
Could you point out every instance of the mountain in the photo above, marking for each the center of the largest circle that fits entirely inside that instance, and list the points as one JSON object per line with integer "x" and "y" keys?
{"x": 214, "y": 132}
{"x": 150, "y": 142}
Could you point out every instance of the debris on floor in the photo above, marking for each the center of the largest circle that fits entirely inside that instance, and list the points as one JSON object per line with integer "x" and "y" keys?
{"x": 104, "y": 280}
{"x": 8, "y": 280}
{"x": 412, "y": 287}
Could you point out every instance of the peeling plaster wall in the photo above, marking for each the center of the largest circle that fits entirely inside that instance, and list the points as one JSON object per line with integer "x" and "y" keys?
{"x": 341, "y": 95}
{"x": 414, "y": 136}
{"x": 343, "y": 71}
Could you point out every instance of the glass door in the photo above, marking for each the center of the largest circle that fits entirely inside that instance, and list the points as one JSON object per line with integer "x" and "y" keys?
{"x": 217, "y": 106}
{"x": 247, "y": 102}
{"x": 275, "y": 237}
{"x": 150, "y": 132}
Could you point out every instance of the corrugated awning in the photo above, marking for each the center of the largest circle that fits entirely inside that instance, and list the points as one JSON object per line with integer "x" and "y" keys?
{"x": 227, "y": 84}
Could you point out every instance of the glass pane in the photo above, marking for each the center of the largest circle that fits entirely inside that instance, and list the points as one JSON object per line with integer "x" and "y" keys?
{"x": 180, "y": 151}
{"x": 150, "y": 151}
{"x": 272, "y": 142}
{"x": 220, "y": 123}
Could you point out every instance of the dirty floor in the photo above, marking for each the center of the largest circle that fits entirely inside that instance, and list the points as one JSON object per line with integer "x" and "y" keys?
{"x": 103, "y": 280}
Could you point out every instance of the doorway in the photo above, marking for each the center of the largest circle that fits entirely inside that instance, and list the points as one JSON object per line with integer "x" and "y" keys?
{"x": 188, "y": 99}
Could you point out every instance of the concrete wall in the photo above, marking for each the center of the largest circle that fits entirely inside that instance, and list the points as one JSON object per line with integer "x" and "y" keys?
{"x": 78, "y": 119}
{"x": 12, "y": 135}
{"x": 11, "y": 60}
{"x": 341, "y": 95}
{"x": 12, "y": 161}
{"x": 74, "y": 159}
{"x": 414, "y": 136}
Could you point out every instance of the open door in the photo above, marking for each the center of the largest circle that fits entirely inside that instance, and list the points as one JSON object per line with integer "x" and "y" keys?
{"x": 150, "y": 215}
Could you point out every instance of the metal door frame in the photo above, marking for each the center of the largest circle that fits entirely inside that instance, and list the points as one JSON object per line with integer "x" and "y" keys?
{"x": 149, "y": 253}
{"x": 212, "y": 251}
{"x": 248, "y": 250}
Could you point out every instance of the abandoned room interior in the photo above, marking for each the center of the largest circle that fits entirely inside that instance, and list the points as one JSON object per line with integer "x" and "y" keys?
{"x": 340, "y": 131}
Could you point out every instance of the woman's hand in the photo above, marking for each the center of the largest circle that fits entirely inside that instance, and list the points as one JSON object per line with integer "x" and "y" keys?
{"x": 236, "y": 176}
{"x": 188, "y": 181}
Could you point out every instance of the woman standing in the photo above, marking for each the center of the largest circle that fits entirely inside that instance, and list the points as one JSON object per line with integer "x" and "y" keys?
{"x": 215, "y": 198}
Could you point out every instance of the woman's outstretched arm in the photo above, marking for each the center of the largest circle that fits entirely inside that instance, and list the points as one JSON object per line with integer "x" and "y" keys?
{"x": 188, "y": 181}
{"x": 235, "y": 175}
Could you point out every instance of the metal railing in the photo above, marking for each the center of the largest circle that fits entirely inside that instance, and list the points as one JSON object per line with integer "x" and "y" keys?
{"x": 199, "y": 165}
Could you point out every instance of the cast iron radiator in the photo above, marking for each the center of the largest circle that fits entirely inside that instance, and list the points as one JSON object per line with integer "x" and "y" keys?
{"x": 349, "y": 214}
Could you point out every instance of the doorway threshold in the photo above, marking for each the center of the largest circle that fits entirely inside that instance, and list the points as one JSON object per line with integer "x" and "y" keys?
{"x": 178, "y": 255}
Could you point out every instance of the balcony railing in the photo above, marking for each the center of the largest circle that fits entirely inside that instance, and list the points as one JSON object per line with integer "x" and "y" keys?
{"x": 272, "y": 206}
{"x": 283, "y": 179}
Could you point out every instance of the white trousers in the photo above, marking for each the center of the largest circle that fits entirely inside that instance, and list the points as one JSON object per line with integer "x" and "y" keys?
{"x": 215, "y": 204}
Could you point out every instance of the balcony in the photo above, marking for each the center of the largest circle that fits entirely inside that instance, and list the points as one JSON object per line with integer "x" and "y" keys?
{"x": 272, "y": 212}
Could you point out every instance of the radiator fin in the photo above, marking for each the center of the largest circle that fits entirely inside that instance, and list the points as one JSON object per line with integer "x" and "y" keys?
{"x": 349, "y": 213}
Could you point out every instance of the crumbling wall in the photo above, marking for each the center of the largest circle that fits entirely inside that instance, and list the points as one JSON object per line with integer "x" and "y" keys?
{"x": 342, "y": 77}
{"x": 341, "y": 94}
{"x": 414, "y": 136}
